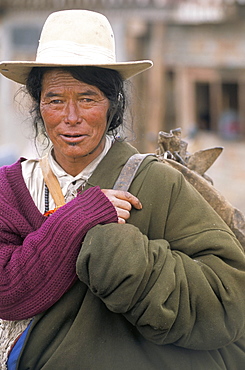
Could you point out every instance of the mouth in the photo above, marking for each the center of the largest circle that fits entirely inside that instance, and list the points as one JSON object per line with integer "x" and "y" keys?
{"x": 77, "y": 135}
{"x": 73, "y": 136}
{"x": 73, "y": 139}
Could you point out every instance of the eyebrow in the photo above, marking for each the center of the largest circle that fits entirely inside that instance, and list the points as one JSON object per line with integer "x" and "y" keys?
{"x": 51, "y": 94}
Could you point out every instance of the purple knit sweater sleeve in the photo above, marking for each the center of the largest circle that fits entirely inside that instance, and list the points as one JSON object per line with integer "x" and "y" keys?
{"x": 38, "y": 255}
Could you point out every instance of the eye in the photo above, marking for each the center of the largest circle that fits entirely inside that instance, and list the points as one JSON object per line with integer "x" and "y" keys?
{"x": 86, "y": 100}
{"x": 56, "y": 101}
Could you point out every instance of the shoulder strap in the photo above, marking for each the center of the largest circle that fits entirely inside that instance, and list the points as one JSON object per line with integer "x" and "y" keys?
{"x": 52, "y": 182}
{"x": 129, "y": 170}
{"x": 123, "y": 182}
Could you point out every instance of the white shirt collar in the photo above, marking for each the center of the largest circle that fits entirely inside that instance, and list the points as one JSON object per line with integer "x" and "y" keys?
{"x": 66, "y": 180}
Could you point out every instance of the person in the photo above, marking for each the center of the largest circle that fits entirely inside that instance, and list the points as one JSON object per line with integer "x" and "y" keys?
{"x": 150, "y": 278}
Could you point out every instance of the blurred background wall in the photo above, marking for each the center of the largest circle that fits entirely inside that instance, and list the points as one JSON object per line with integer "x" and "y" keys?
{"x": 197, "y": 82}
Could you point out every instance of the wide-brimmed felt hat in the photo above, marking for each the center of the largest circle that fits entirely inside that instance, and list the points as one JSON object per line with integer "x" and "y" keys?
{"x": 74, "y": 38}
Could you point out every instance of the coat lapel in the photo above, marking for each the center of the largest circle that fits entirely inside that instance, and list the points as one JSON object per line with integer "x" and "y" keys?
{"x": 111, "y": 165}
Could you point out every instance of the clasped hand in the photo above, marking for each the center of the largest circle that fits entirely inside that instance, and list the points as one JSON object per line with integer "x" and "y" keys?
{"x": 123, "y": 202}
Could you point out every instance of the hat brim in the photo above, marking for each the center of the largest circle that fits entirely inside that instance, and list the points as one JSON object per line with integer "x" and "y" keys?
{"x": 18, "y": 71}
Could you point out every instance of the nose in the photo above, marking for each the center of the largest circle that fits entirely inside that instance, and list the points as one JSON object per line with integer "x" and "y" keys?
{"x": 72, "y": 114}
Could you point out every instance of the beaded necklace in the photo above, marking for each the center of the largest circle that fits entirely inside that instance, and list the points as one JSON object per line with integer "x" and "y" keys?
{"x": 48, "y": 212}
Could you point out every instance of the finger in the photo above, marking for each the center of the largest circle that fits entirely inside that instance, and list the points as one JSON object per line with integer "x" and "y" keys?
{"x": 132, "y": 200}
{"x": 121, "y": 220}
{"x": 123, "y": 204}
{"x": 122, "y": 213}
{"x": 118, "y": 203}
{"x": 123, "y": 195}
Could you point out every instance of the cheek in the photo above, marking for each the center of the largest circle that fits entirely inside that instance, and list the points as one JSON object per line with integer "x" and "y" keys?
{"x": 98, "y": 118}
{"x": 49, "y": 116}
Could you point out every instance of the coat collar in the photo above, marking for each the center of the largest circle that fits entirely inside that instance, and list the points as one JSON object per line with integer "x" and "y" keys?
{"x": 111, "y": 165}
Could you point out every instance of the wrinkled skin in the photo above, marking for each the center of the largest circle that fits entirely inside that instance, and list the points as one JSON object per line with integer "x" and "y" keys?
{"x": 75, "y": 118}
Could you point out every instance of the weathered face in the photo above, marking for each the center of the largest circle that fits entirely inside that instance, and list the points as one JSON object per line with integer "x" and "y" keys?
{"x": 75, "y": 118}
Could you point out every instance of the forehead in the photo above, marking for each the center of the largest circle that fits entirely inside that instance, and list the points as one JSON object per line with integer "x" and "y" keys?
{"x": 58, "y": 79}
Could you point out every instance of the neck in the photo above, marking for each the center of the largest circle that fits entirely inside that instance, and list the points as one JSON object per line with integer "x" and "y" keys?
{"x": 73, "y": 165}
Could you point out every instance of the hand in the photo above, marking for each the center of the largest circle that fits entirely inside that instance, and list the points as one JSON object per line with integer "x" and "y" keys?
{"x": 123, "y": 202}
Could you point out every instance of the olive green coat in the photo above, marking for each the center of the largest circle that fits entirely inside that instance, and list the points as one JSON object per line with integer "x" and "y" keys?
{"x": 164, "y": 291}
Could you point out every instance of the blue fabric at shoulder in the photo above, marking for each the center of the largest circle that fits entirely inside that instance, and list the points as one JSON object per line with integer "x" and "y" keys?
{"x": 15, "y": 353}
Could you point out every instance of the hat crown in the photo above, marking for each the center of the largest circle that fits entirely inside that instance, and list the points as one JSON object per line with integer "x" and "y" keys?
{"x": 74, "y": 38}
{"x": 80, "y": 36}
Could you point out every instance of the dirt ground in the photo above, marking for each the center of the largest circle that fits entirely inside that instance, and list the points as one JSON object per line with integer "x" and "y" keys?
{"x": 228, "y": 171}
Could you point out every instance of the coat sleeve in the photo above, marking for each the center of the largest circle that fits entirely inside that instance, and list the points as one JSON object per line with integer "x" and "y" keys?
{"x": 187, "y": 290}
{"x": 35, "y": 273}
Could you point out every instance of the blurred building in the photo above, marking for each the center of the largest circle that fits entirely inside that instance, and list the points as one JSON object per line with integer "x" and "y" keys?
{"x": 198, "y": 49}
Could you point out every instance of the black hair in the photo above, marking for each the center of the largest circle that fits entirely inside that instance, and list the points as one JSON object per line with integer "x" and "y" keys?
{"x": 106, "y": 80}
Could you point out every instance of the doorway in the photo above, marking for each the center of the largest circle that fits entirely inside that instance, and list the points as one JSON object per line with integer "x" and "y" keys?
{"x": 203, "y": 116}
